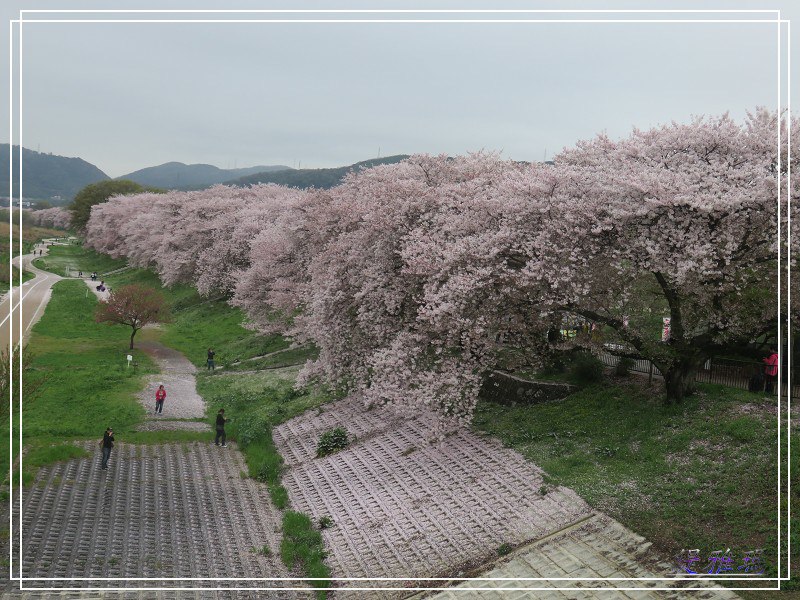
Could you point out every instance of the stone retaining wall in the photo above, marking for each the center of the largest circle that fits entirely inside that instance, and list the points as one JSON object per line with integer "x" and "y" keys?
{"x": 508, "y": 389}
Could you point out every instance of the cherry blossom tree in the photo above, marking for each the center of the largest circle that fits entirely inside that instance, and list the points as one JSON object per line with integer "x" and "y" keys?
{"x": 56, "y": 217}
{"x": 104, "y": 227}
{"x": 397, "y": 276}
{"x": 679, "y": 221}
{"x": 201, "y": 238}
{"x": 407, "y": 276}
{"x": 133, "y": 305}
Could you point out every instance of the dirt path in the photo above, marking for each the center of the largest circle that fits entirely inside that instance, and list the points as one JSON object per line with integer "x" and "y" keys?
{"x": 178, "y": 378}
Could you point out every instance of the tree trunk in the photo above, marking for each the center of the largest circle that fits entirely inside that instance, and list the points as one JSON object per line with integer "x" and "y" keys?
{"x": 133, "y": 334}
{"x": 679, "y": 380}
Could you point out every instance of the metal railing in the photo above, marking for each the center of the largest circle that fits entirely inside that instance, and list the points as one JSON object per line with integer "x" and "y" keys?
{"x": 722, "y": 371}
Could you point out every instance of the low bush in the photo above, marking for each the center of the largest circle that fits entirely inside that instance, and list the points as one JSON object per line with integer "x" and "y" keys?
{"x": 332, "y": 441}
{"x": 624, "y": 366}
{"x": 587, "y": 368}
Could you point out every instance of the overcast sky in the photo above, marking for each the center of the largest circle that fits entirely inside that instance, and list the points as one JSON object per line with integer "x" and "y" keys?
{"x": 124, "y": 96}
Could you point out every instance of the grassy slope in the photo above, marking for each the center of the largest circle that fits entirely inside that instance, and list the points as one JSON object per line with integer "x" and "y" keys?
{"x": 86, "y": 383}
{"x": 699, "y": 475}
{"x": 254, "y": 402}
{"x": 75, "y": 258}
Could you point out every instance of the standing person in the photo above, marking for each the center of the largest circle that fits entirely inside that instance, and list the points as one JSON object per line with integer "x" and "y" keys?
{"x": 771, "y": 370}
{"x": 161, "y": 393}
{"x": 220, "y": 427}
{"x": 107, "y": 444}
{"x": 210, "y": 359}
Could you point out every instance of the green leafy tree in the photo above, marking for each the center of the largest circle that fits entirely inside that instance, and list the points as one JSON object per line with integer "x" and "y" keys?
{"x": 97, "y": 193}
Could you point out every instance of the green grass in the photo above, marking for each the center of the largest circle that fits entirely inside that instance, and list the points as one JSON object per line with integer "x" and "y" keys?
{"x": 77, "y": 258}
{"x": 198, "y": 323}
{"x": 282, "y": 358}
{"x": 86, "y": 385}
{"x": 5, "y": 283}
{"x": 302, "y": 547}
{"x": 205, "y": 324}
{"x": 254, "y": 403}
{"x": 698, "y": 475}
{"x": 6, "y": 253}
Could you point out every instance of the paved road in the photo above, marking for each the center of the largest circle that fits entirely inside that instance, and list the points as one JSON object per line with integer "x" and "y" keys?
{"x": 34, "y": 295}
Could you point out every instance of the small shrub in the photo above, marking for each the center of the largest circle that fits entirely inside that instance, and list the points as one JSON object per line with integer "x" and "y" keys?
{"x": 325, "y": 522}
{"x": 587, "y": 368}
{"x": 332, "y": 441}
{"x": 256, "y": 427}
{"x": 543, "y": 490}
{"x": 624, "y": 367}
{"x": 504, "y": 549}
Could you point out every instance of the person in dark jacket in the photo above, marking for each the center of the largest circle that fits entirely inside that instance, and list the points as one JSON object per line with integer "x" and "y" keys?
{"x": 107, "y": 444}
{"x": 210, "y": 359}
{"x": 220, "y": 427}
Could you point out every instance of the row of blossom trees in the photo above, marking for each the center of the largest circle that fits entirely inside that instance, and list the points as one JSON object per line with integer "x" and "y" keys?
{"x": 404, "y": 274}
{"x": 56, "y": 217}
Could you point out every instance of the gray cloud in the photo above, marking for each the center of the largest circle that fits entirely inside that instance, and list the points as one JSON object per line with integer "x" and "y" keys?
{"x": 125, "y": 96}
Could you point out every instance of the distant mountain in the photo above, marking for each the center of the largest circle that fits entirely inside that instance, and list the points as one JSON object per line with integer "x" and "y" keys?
{"x": 46, "y": 176}
{"x": 177, "y": 175}
{"x": 318, "y": 178}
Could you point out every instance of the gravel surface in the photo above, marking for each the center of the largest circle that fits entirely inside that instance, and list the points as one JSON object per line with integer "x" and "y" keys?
{"x": 178, "y": 377}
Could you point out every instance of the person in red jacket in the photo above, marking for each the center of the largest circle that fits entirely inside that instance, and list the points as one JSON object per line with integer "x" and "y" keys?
{"x": 161, "y": 393}
{"x": 771, "y": 371}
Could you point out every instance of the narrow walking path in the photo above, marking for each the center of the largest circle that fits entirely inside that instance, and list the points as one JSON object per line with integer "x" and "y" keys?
{"x": 22, "y": 306}
{"x": 178, "y": 378}
{"x": 177, "y": 375}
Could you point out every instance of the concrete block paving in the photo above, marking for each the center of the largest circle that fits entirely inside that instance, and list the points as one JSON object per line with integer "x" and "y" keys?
{"x": 171, "y": 510}
{"x": 404, "y": 507}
